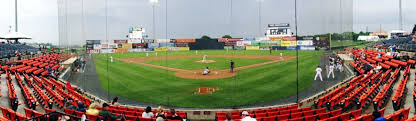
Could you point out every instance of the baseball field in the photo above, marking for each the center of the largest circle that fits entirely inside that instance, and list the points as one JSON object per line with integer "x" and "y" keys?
{"x": 175, "y": 78}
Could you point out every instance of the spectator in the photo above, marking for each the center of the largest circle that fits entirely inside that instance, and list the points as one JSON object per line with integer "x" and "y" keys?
{"x": 69, "y": 104}
{"x": 246, "y": 117}
{"x": 377, "y": 116}
{"x": 81, "y": 107}
{"x": 159, "y": 119}
{"x": 174, "y": 116}
{"x": 106, "y": 114}
{"x": 148, "y": 113}
{"x": 228, "y": 117}
{"x": 92, "y": 110}
{"x": 56, "y": 117}
{"x": 115, "y": 99}
{"x": 160, "y": 113}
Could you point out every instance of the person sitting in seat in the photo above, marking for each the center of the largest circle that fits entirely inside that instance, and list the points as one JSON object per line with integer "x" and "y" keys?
{"x": 206, "y": 71}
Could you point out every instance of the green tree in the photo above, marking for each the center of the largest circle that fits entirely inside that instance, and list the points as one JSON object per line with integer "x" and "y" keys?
{"x": 227, "y": 36}
{"x": 205, "y": 37}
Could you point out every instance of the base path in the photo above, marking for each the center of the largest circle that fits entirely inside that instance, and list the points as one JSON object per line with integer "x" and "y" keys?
{"x": 214, "y": 74}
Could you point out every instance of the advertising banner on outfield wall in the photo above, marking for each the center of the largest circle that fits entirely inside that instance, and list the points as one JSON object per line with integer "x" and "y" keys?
{"x": 249, "y": 39}
{"x": 94, "y": 51}
{"x": 275, "y": 38}
{"x": 184, "y": 40}
{"x": 112, "y": 46}
{"x": 307, "y": 47}
{"x": 97, "y": 46}
{"x": 240, "y": 47}
{"x": 289, "y": 38}
{"x": 288, "y": 43}
{"x": 127, "y": 45}
{"x": 239, "y": 43}
{"x": 252, "y": 47}
{"x": 246, "y": 43}
{"x": 153, "y": 45}
{"x": 104, "y": 45}
{"x": 305, "y": 42}
{"x": 121, "y": 50}
{"x": 163, "y": 49}
{"x": 120, "y": 41}
{"x": 291, "y": 48}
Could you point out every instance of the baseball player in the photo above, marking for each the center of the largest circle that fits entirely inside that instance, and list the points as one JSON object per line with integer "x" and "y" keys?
{"x": 147, "y": 54}
{"x": 331, "y": 71}
{"x": 204, "y": 58}
{"x": 281, "y": 56}
{"x": 231, "y": 66}
{"x": 196, "y": 52}
{"x": 156, "y": 53}
{"x": 111, "y": 59}
{"x": 318, "y": 73}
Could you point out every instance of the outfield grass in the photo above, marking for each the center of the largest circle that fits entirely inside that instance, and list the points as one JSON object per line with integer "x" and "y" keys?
{"x": 254, "y": 85}
{"x": 191, "y": 64}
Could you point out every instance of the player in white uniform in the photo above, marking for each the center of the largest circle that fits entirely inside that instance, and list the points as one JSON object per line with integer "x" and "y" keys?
{"x": 204, "y": 58}
{"x": 331, "y": 71}
{"x": 111, "y": 59}
{"x": 147, "y": 54}
{"x": 281, "y": 56}
{"x": 318, "y": 73}
{"x": 196, "y": 52}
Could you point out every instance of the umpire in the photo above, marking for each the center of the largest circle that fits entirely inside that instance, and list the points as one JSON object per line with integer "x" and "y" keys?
{"x": 231, "y": 66}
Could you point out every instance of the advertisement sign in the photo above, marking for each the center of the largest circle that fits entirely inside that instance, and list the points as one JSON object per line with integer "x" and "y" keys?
{"x": 288, "y": 43}
{"x": 90, "y": 46}
{"x": 93, "y": 51}
{"x": 291, "y": 48}
{"x": 120, "y": 41}
{"x": 112, "y": 46}
{"x": 240, "y": 43}
{"x": 139, "y": 45}
{"x": 250, "y": 39}
{"x": 97, "y": 46}
{"x": 184, "y": 40}
{"x": 127, "y": 45}
{"x": 246, "y": 43}
{"x": 252, "y": 47}
{"x": 121, "y": 50}
{"x": 305, "y": 42}
{"x": 163, "y": 49}
{"x": 289, "y": 38}
{"x": 153, "y": 45}
{"x": 275, "y": 38}
{"x": 307, "y": 47}
{"x": 104, "y": 45}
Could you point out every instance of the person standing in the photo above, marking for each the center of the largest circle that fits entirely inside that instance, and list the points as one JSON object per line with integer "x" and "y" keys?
{"x": 281, "y": 56}
{"x": 231, "y": 66}
{"x": 196, "y": 52}
{"x": 318, "y": 73}
{"x": 111, "y": 59}
{"x": 331, "y": 71}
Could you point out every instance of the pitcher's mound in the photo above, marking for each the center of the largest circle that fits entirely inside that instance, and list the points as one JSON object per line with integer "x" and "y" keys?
{"x": 206, "y": 61}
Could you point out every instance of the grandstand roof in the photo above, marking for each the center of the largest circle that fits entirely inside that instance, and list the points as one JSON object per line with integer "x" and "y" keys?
{"x": 16, "y": 35}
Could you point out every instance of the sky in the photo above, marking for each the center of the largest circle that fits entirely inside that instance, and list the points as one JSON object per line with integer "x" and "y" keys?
{"x": 60, "y": 21}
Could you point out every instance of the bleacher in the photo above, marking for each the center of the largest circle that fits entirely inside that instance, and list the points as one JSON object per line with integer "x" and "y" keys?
{"x": 10, "y": 49}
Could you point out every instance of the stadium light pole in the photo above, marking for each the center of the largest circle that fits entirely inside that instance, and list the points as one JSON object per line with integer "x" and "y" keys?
{"x": 154, "y": 3}
{"x": 297, "y": 56}
{"x": 15, "y": 15}
{"x": 259, "y": 7}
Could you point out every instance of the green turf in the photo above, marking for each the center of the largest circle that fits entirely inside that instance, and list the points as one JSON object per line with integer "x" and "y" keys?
{"x": 191, "y": 64}
{"x": 254, "y": 85}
